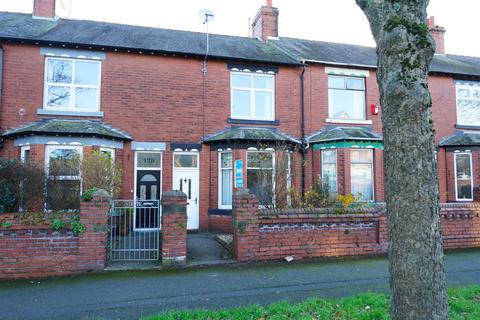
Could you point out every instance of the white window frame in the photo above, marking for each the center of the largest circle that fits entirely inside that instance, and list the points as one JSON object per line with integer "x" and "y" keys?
{"x": 23, "y": 150}
{"x": 220, "y": 180}
{"x": 111, "y": 150}
{"x": 330, "y": 106}
{"x": 336, "y": 168}
{"x": 49, "y": 148}
{"x": 471, "y": 173}
{"x": 470, "y": 88}
{"x": 252, "y": 91}
{"x": 71, "y": 86}
{"x": 271, "y": 151}
{"x": 188, "y": 153}
{"x": 372, "y": 171}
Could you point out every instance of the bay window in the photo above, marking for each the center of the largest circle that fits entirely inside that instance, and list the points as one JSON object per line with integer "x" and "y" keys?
{"x": 463, "y": 176}
{"x": 329, "y": 169}
{"x": 252, "y": 96}
{"x": 225, "y": 179}
{"x": 260, "y": 176}
{"x": 64, "y": 179}
{"x": 72, "y": 84}
{"x": 361, "y": 171}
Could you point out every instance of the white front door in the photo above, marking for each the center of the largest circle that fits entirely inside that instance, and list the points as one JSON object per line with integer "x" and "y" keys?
{"x": 186, "y": 179}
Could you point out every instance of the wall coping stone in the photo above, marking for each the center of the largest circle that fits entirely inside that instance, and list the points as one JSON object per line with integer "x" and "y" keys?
{"x": 351, "y": 216}
{"x": 174, "y": 194}
{"x": 325, "y": 212}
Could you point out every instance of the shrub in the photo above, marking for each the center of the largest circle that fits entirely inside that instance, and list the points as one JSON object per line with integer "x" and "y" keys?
{"x": 319, "y": 196}
{"x": 99, "y": 171}
{"x": 87, "y": 196}
{"x": 58, "y": 224}
{"x": 21, "y": 186}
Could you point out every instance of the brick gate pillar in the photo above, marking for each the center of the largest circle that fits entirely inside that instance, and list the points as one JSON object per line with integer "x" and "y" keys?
{"x": 92, "y": 244}
{"x": 245, "y": 226}
{"x": 174, "y": 228}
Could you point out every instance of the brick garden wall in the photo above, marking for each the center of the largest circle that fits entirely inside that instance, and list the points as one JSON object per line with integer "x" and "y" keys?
{"x": 275, "y": 234}
{"x": 37, "y": 251}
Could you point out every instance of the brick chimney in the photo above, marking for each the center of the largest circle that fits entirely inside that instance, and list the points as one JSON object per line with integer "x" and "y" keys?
{"x": 438, "y": 34}
{"x": 265, "y": 23}
{"x": 44, "y": 9}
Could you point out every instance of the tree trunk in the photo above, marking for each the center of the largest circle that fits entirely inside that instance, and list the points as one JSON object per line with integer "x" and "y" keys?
{"x": 405, "y": 49}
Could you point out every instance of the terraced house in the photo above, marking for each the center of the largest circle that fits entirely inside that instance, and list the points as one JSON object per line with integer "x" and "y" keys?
{"x": 175, "y": 116}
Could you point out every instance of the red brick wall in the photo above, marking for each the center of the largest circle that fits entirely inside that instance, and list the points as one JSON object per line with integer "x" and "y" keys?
{"x": 144, "y": 95}
{"x": 37, "y": 251}
{"x": 29, "y": 252}
{"x": 221, "y": 223}
{"x": 304, "y": 233}
{"x": 152, "y": 98}
{"x": 174, "y": 228}
{"x": 460, "y": 225}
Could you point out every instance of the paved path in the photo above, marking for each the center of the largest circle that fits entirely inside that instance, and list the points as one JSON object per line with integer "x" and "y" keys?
{"x": 128, "y": 295}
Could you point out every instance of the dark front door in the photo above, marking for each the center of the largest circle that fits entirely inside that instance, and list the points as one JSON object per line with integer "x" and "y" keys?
{"x": 148, "y": 193}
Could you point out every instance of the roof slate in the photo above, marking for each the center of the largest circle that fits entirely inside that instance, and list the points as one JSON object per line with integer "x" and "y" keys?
{"x": 250, "y": 134}
{"x": 68, "y": 128}
{"x": 461, "y": 138}
{"x": 22, "y": 27}
{"x": 333, "y": 133}
{"x": 354, "y": 55}
{"x": 121, "y": 36}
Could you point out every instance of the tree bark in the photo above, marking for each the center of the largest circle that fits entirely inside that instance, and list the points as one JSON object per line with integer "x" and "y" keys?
{"x": 405, "y": 50}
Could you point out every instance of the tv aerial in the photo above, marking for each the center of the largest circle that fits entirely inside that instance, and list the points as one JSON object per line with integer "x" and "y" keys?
{"x": 206, "y": 16}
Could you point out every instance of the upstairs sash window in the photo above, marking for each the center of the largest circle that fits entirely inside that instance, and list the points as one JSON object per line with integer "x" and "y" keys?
{"x": 72, "y": 84}
{"x": 252, "y": 96}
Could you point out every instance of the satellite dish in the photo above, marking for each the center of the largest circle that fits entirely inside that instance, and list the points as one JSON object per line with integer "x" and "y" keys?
{"x": 206, "y": 15}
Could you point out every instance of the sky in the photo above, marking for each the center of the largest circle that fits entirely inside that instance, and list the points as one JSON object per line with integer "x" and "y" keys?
{"x": 326, "y": 20}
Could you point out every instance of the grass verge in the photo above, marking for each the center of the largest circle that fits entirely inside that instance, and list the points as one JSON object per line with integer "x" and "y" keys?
{"x": 464, "y": 304}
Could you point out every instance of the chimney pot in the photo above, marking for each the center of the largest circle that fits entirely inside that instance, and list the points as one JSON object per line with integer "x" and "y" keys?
{"x": 44, "y": 9}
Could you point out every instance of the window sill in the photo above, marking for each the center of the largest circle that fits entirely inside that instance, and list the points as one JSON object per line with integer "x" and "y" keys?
{"x": 348, "y": 121}
{"x": 70, "y": 113}
{"x": 467, "y": 127}
{"x": 248, "y": 121}
{"x": 219, "y": 212}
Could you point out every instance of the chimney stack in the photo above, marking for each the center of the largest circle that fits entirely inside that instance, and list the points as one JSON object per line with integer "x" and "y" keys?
{"x": 265, "y": 23}
{"x": 44, "y": 9}
{"x": 438, "y": 34}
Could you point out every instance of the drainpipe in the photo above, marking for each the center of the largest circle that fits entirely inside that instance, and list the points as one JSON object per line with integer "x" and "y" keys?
{"x": 1, "y": 75}
{"x": 1, "y": 89}
{"x": 303, "y": 148}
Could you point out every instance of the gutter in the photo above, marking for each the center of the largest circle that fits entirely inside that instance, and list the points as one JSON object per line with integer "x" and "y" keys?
{"x": 330, "y": 63}
{"x": 144, "y": 51}
{"x": 1, "y": 76}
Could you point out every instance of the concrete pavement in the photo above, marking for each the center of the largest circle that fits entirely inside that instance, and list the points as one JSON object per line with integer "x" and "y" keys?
{"x": 129, "y": 295}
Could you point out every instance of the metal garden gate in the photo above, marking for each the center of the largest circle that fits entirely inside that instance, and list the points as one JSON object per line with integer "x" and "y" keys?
{"x": 134, "y": 230}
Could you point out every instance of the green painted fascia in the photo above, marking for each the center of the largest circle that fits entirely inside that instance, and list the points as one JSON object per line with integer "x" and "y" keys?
{"x": 348, "y": 144}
